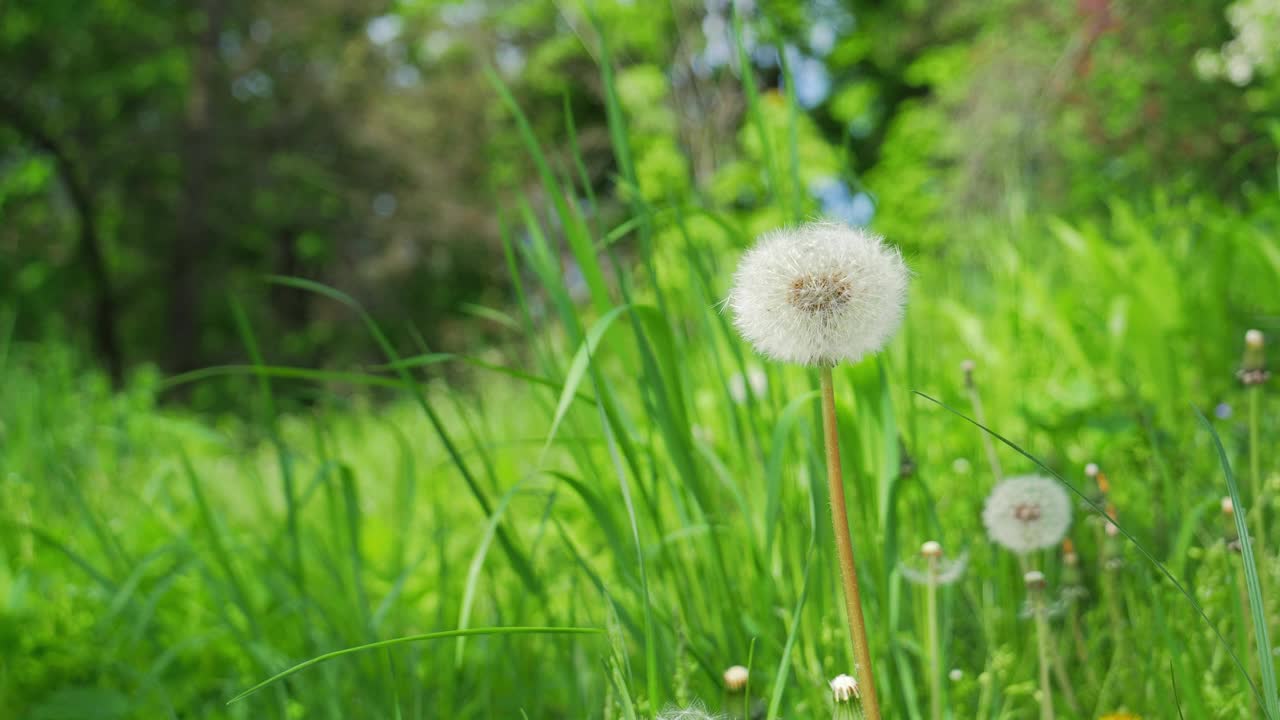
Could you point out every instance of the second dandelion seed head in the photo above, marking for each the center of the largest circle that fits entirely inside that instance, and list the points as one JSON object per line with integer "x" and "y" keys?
{"x": 1027, "y": 513}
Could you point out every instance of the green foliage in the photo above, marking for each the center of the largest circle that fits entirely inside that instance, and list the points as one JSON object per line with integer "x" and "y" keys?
{"x": 613, "y": 456}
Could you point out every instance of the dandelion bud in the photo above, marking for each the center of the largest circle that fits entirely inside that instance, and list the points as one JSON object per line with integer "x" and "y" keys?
{"x": 1253, "y": 369}
{"x": 844, "y": 688}
{"x": 1034, "y": 580}
{"x": 735, "y": 678}
{"x": 1069, "y": 555}
{"x": 931, "y": 549}
{"x": 819, "y": 294}
{"x": 1228, "y": 507}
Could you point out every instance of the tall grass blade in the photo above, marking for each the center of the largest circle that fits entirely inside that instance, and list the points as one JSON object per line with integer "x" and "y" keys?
{"x": 410, "y": 639}
{"x": 1266, "y": 664}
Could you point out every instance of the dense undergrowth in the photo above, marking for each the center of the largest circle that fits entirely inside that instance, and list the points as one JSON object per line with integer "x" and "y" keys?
{"x": 628, "y": 465}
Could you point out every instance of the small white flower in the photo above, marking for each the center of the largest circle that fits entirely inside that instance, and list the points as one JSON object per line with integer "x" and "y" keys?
{"x": 1254, "y": 339}
{"x": 1239, "y": 68}
{"x": 1027, "y": 513}
{"x": 844, "y": 688}
{"x": 819, "y": 294}
{"x": 956, "y": 674}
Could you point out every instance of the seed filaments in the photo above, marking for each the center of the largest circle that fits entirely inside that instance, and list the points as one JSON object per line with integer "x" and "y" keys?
{"x": 844, "y": 688}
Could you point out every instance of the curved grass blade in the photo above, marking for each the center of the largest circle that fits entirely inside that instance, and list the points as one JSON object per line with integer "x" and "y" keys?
{"x": 1151, "y": 558}
{"x": 414, "y": 638}
{"x": 1257, "y": 610}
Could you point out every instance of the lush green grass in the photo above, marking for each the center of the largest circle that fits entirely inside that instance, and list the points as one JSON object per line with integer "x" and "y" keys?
{"x": 602, "y": 470}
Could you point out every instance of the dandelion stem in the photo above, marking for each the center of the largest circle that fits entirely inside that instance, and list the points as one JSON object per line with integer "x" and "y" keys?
{"x": 1042, "y": 639}
{"x": 935, "y": 659}
{"x": 1255, "y": 465}
{"x": 844, "y": 549}
{"x": 1082, "y": 648}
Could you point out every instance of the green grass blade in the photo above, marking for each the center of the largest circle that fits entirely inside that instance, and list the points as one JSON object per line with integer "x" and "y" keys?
{"x": 409, "y": 639}
{"x": 1256, "y": 607}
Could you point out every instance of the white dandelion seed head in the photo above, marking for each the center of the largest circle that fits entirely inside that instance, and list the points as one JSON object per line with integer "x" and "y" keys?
{"x": 1254, "y": 339}
{"x": 844, "y": 688}
{"x": 1034, "y": 580}
{"x": 695, "y": 711}
{"x": 1228, "y": 507}
{"x": 1027, "y": 513}
{"x": 956, "y": 674}
{"x": 735, "y": 678}
{"x": 931, "y": 549}
{"x": 945, "y": 571}
{"x": 819, "y": 294}
{"x": 1091, "y": 470}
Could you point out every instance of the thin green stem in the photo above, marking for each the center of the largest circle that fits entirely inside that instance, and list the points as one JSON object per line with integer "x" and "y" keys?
{"x": 1256, "y": 484}
{"x": 1042, "y": 639}
{"x": 935, "y": 658}
{"x": 844, "y": 550}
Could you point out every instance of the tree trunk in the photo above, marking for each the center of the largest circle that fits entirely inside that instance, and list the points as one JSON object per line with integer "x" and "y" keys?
{"x": 194, "y": 237}
{"x": 105, "y": 336}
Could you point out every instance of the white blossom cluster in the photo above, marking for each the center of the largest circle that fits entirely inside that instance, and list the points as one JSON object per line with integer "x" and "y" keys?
{"x": 1255, "y": 49}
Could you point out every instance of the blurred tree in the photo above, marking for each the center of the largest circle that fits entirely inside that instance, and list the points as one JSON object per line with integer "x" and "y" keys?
{"x": 155, "y": 160}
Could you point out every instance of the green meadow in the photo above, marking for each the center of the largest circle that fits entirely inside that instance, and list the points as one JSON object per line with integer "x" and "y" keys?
{"x": 604, "y": 497}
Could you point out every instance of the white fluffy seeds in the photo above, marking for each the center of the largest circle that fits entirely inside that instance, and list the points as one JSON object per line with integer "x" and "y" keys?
{"x": 819, "y": 294}
{"x": 844, "y": 688}
{"x": 1027, "y": 513}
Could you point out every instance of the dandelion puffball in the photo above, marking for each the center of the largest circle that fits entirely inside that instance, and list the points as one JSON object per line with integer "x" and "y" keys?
{"x": 844, "y": 688}
{"x": 1027, "y": 513}
{"x": 819, "y": 294}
